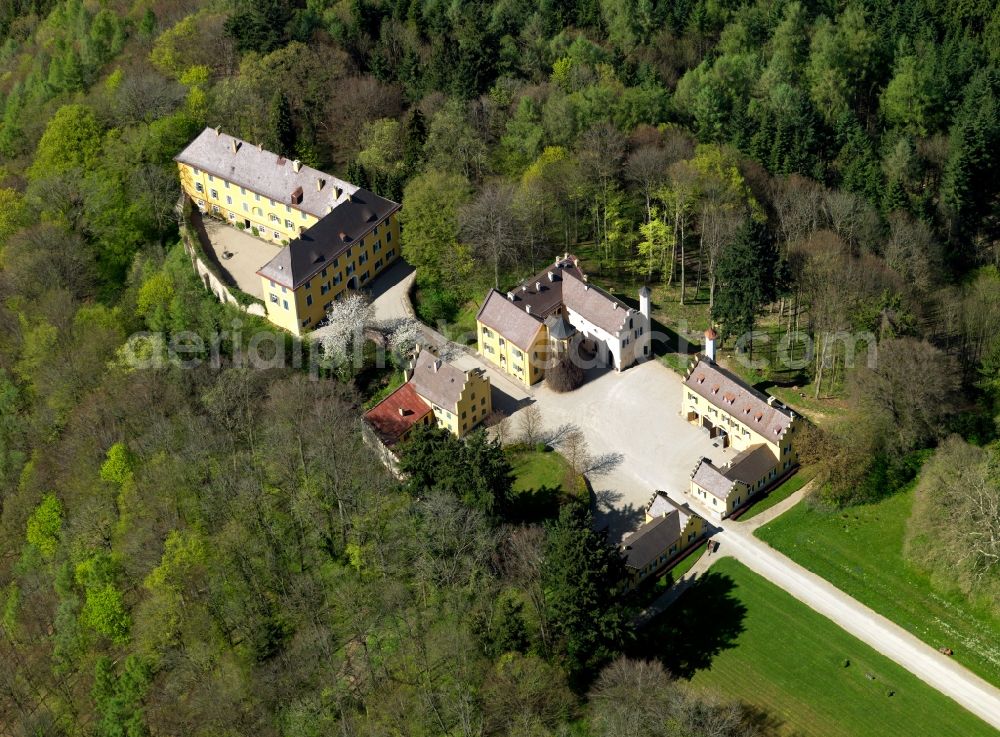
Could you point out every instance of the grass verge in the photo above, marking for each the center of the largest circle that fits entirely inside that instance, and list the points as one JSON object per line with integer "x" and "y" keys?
{"x": 542, "y": 482}
{"x": 860, "y": 551}
{"x": 774, "y": 497}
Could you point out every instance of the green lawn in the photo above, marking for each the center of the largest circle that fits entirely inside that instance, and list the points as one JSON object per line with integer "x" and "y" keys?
{"x": 736, "y": 634}
{"x": 540, "y": 479}
{"x": 859, "y": 550}
{"x": 776, "y": 496}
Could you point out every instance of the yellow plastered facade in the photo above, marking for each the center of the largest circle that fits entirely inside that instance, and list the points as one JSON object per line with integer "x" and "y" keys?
{"x": 474, "y": 405}
{"x": 527, "y": 367}
{"x": 297, "y": 310}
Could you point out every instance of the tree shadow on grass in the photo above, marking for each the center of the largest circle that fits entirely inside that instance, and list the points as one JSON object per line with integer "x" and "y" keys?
{"x": 765, "y": 723}
{"x": 706, "y": 620}
{"x": 535, "y": 505}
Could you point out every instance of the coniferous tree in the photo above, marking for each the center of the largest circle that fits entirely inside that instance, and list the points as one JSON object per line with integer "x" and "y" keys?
{"x": 748, "y": 279}
{"x": 282, "y": 130}
{"x": 580, "y": 578}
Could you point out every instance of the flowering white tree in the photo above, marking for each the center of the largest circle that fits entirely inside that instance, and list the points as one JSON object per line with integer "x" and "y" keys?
{"x": 347, "y": 320}
{"x": 350, "y": 321}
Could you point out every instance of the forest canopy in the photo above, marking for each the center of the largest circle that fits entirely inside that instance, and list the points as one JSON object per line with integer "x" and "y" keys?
{"x": 216, "y": 552}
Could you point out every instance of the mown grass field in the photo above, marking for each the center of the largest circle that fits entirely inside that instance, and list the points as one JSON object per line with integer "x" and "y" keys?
{"x": 540, "y": 479}
{"x": 736, "y": 634}
{"x": 860, "y": 551}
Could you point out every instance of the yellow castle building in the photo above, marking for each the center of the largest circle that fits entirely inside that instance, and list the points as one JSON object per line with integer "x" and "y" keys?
{"x": 435, "y": 392}
{"x": 556, "y": 311}
{"x": 737, "y": 416}
{"x": 333, "y": 235}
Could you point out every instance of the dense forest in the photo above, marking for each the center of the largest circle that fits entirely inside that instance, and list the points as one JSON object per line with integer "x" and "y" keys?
{"x": 215, "y": 551}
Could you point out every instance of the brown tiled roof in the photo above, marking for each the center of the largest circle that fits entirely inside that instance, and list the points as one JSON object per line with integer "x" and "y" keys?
{"x": 396, "y": 414}
{"x": 712, "y": 479}
{"x": 562, "y": 284}
{"x": 647, "y": 543}
{"x": 751, "y": 465}
{"x": 437, "y": 381}
{"x": 731, "y": 394}
{"x": 513, "y": 323}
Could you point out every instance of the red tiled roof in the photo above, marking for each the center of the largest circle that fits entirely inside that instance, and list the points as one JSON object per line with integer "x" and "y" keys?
{"x": 396, "y": 414}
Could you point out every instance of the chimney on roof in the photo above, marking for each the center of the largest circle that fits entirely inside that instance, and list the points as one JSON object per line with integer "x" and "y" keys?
{"x": 408, "y": 371}
{"x": 510, "y": 296}
{"x": 319, "y": 183}
{"x": 403, "y": 411}
{"x": 329, "y": 208}
{"x": 437, "y": 365}
{"x": 614, "y": 305}
{"x": 297, "y": 196}
{"x": 260, "y": 146}
{"x": 710, "y": 336}
{"x": 552, "y": 276}
{"x": 235, "y": 144}
{"x": 576, "y": 261}
{"x": 527, "y": 308}
{"x": 337, "y": 191}
{"x": 343, "y": 236}
{"x": 538, "y": 286}
{"x": 297, "y": 165}
{"x": 524, "y": 287}
{"x": 218, "y": 130}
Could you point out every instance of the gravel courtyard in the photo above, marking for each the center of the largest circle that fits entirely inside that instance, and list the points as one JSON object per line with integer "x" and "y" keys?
{"x": 633, "y": 421}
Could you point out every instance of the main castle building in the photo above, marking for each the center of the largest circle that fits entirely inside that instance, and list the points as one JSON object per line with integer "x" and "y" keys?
{"x": 333, "y": 235}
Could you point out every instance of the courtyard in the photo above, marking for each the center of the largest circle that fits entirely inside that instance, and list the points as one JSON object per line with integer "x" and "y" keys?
{"x": 239, "y": 254}
{"x": 638, "y": 438}
{"x": 631, "y": 420}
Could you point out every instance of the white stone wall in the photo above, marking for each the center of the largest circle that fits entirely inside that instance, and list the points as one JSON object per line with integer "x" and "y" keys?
{"x": 622, "y": 356}
{"x": 216, "y": 287}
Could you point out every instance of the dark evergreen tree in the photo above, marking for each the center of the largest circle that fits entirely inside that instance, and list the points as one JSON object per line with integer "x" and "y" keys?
{"x": 261, "y": 25}
{"x": 969, "y": 187}
{"x": 749, "y": 278}
{"x": 282, "y": 130}
{"x": 414, "y": 138}
{"x": 474, "y": 469}
{"x": 581, "y": 577}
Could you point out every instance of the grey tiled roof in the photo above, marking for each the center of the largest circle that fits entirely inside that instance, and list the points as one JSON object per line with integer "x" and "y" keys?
{"x": 559, "y": 328}
{"x": 712, "y": 479}
{"x": 661, "y": 504}
{"x": 318, "y": 246}
{"x": 651, "y": 540}
{"x": 732, "y": 395}
{"x": 265, "y": 172}
{"x": 346, "y": 212}
{"x": 437, "y": 381}
{"x": 751, "y": 465}
{"x": 505, "y": 317}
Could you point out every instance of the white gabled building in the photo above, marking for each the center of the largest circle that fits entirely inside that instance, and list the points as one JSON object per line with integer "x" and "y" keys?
{"x": 600, "y": 323}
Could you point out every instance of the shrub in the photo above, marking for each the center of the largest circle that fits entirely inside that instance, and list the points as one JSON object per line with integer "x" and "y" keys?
{"x": 564, "y": 376}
